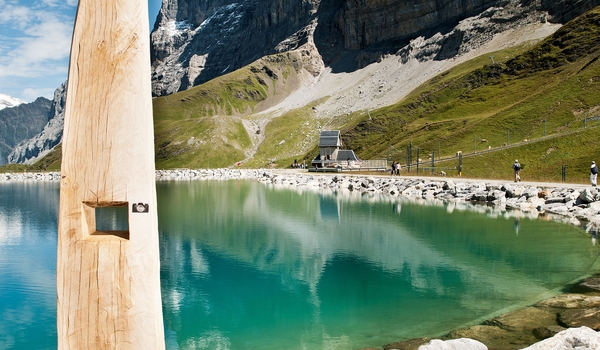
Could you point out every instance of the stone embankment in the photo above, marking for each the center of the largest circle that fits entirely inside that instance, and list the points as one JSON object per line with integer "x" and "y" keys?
{"x": 577, "y": 205}
{"x": 27, "y": 176}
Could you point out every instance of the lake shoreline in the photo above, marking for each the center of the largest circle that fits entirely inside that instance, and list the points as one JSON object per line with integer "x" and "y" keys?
{"x": 571, "y": 203}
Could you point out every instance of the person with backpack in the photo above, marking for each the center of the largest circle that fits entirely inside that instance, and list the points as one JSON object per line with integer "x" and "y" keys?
{"x": 593, "y": 173}
{"x": 517, "y": 168}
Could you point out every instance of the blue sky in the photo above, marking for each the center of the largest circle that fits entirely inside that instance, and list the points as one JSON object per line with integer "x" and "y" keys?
{"x": 35, "y": 40}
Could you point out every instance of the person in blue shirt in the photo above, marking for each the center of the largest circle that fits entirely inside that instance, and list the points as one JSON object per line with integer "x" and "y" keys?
{"x": 517, "y": 168}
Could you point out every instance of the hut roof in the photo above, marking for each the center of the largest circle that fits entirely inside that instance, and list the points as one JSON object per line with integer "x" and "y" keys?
{"x": 330, "y": 138}
{"x": 346, "y": 154}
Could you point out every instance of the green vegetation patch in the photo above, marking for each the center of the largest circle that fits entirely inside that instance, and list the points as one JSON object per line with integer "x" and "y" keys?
{"x": 286, "y": 138}
{"x": 235, "y": 93}
{"x": 202, "y": 127}
{"x": 542, "y": 161}
{"x": 209, "y": 142}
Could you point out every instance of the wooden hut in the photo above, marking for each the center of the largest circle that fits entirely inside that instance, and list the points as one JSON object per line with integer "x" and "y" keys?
{"x": 331, "y": 154}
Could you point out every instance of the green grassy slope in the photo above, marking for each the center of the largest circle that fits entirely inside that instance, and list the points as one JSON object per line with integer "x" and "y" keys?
{"x": 546, "y": 89}
{"x": 202, "y": 127}
{"x": 285, "y": 137}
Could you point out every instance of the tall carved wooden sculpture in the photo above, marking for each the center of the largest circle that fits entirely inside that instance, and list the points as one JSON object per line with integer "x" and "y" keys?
{"x": 108, "y": 279}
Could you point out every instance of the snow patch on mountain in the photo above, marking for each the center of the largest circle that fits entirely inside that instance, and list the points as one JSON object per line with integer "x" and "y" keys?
{"x": 9, "y": 101}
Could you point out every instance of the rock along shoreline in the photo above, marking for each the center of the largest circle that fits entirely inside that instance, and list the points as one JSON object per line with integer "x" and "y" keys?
{"x": 574, "y": 204}
{"x": 567, "y": 319}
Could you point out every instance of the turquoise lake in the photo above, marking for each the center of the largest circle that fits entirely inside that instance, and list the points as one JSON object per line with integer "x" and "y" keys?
{"x": 250, "y": 266}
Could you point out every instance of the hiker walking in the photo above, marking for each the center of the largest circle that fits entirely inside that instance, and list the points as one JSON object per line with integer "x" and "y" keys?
{"x": 593, "y": 173}
{"x": 393, "y": 170}
{"x": 517, "y": 168}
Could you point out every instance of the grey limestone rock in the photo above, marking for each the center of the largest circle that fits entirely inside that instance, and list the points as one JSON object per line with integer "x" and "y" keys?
{"x": 587, "y": 196}
{"x": 480, "y": 197}
{"x": 19, "y": 124}
{"x": 557, "y": 199}
{"x": 523, "y": 319}
{"x": 582, "y": 338}
{"x": 559, "y": 208}
{"x": 575, "y": 301}
{"x": 412, "y": 344}
{"x": 595, "y": 206}
{"x": 545, "y": 332}
{"x": 50, "y": 134}
{"x": 573, "y": 195}
{"x": 454, "y": 344}
{"x": 592, "y": 283}
{"x": 514, "y": 191}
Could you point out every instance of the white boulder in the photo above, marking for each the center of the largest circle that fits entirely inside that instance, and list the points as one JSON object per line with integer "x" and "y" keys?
{"x": 454, "y": 344}
{"x": 582, "y": 338}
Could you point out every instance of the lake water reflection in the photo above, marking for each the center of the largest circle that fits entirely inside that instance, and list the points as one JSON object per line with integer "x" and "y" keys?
{"x": 249, "y": 266}
{"x": 246, "y": 266}
{"x": 28, "y": 227}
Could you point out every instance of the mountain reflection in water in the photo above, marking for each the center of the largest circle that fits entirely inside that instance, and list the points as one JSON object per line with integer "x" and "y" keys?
{"x": 252, "y": 266}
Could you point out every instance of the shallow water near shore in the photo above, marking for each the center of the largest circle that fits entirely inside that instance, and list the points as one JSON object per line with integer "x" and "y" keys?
{"x": 250, "y": 266}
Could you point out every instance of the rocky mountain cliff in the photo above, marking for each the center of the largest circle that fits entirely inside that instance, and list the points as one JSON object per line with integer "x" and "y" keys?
{"x": 22, "y": 123}
{"x": 30, "y": 150}
{"x": 193, "y": 42}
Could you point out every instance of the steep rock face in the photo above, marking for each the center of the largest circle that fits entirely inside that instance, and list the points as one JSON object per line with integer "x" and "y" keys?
{"x": 29, "y": 151}
{"x": 354, "y": 25}
{"x": 562, "y": 11}
{"x": 21, "y": 123}
{"x": 194, "y": 42}
{"x": 197, "y": 41}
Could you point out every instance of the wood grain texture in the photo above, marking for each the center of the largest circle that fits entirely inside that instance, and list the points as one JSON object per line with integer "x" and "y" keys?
{"x": 108, "y": 285}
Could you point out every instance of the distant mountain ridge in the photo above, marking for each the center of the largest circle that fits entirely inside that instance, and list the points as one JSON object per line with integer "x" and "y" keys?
{"x": 21, "y": 123}
{"x": 30, "y": 150}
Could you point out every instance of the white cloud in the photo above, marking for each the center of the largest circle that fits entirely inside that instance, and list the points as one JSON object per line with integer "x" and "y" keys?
{"x": 49, "y": 40}
{"x": 43, "y": 49}
{"x": 16, "y": 16}
{"x": 35, "y": 42}
{"x": 30, "y": 94}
